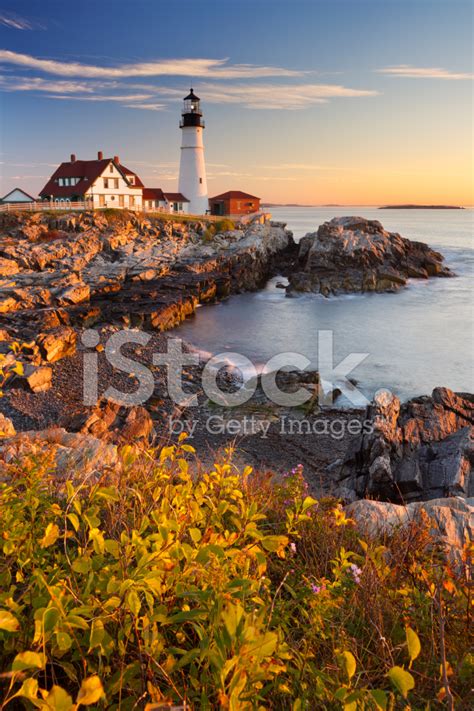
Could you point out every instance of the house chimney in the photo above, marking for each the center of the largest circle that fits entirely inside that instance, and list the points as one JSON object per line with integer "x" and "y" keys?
{"x": 73, "y": 157}
{"x": 100, "y": 155}
{"x": 116, "y": 160}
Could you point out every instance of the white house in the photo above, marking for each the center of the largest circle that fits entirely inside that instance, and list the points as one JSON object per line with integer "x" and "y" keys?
{"x": 104, "y": 182}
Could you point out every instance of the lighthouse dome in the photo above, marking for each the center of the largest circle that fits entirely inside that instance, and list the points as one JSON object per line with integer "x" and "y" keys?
{"x": 192, "y": 96}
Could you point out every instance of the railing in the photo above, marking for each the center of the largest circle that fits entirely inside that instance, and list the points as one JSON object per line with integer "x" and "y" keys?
{"x": 44, "y": 206}
{"x": 64, "y": 206}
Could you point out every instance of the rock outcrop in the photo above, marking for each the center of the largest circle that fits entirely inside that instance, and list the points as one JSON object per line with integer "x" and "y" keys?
{"x": 449, "y": 521}
{"x": 353, "y": 254}
{"x": 65, "y": 273}
{"x": 420, "y": 450}
{"x": 71, "y": 455}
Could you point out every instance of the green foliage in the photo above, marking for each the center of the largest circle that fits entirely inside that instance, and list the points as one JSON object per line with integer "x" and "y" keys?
{"x": 224, "y": 590}
{"x": 224, "y": 225}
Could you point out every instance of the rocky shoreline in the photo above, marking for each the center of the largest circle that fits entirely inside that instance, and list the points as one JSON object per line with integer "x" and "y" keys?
{"x": 62, "y": 275}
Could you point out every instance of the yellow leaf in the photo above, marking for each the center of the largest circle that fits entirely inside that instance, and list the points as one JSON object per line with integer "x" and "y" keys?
{"x": 413, "y": 643}
{"x": 8, "y": 621}
{"x": 29, "y": 660}
{"x": 402, "y": 680}
{"x": 51, "y": 535}
{"x": 349, "y": 664}
{"x": 91, "y": 691}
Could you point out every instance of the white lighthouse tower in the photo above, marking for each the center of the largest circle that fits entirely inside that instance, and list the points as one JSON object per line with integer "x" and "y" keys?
{"x": 192, "y": 169}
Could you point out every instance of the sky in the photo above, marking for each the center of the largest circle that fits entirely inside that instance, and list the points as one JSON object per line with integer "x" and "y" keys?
{"x": 305, "y": 101}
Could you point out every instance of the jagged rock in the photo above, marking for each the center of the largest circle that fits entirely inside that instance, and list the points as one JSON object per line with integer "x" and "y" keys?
{"x": 74, "y": 294}
{"x": 36, "y": 379}
{"x": 7, "y": 304}
{"x": 57, "y": 344}
{"x": 6, "y": 426}
{"x": 422, "y": 449}
{"x": 132, "y": 270}
{"x": 8, "y": 267}
{"x": 114, "y": 423}
{"x": 353, "y": 254}
{"x": 76, "y": 455}
{"x": 450, "y": 520}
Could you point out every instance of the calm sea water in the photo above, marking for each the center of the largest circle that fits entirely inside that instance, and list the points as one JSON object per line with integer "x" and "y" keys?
{"x": 416, "y": 340}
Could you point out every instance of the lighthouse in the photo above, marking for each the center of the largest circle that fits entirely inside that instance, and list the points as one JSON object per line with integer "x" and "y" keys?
{"x": 192, "y": 169}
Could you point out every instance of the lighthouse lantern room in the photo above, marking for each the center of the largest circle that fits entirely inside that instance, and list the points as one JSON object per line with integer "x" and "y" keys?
{"x": 192, "y": 168}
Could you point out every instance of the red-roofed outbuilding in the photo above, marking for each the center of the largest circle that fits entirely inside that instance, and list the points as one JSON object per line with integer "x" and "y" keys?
{"x": 234, "y": 202}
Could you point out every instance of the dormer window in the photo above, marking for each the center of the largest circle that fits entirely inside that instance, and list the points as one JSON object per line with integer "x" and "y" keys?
{"x": 131, "y": 179}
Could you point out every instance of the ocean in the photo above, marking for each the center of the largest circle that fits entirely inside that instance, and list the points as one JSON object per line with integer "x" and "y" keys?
{"x": 415, "y": 340}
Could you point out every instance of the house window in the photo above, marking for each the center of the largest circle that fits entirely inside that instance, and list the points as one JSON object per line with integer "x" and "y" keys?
{"x": 116, "y": 183}
{"x": 131, "y": 200}
{"x": 121, "y": 201}
{"x": 111, "y": 167}
{"x": 131, "y": 179}
{"x": 106, "y": 182}
{"x": 200, "y": 180}
{"x": 101, "y": 200}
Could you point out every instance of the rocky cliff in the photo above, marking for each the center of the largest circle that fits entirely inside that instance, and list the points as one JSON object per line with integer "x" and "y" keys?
{"x": 60, "y": 274}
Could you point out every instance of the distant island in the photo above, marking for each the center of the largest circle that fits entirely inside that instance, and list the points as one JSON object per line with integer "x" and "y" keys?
{"x": 421, "y": 207}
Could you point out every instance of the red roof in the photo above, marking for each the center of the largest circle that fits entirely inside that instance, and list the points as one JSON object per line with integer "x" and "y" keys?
{"x": 88, "y": 171}
{"x": 176, "y": 197}
{"x": 234, "y": 194}
{"x": 153, "y": 194}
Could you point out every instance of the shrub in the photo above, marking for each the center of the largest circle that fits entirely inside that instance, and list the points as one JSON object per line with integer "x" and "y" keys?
{"x": 224, "y": 225}
{"x": 224, "y": 590}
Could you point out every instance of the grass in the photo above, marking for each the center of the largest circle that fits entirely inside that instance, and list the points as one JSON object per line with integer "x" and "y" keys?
{"x": 225, "y": 590}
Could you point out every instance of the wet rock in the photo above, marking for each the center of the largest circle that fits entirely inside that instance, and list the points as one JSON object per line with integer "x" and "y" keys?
{"x": 353, "y": 254}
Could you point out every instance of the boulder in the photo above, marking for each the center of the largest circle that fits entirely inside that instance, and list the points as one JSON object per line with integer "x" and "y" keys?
{"x": 353, "y": 254}
{"x": 34, "y": 378}
{"x": 450, "y": 520}
{"x": 6, "y": 426}
{"x": 57, "y": 344}
{"x": 75, "y": 455}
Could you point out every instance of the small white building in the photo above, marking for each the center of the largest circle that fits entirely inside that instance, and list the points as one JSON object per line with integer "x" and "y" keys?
{"x": 104, "y": 182}
{"x": 16, "y": 197}
{"x": 157, "y": 199}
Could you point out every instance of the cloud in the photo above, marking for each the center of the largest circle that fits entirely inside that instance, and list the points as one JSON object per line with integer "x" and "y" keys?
{"x": 15, "y": 22}
{"x": 215, "y": 68}
{"x": 405, "y": 70}
{"x": 277, "y": 96}
{"x": 14, "y": 83}
{"x": 104, "y": 97}
{"x": 146, "y": 107}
